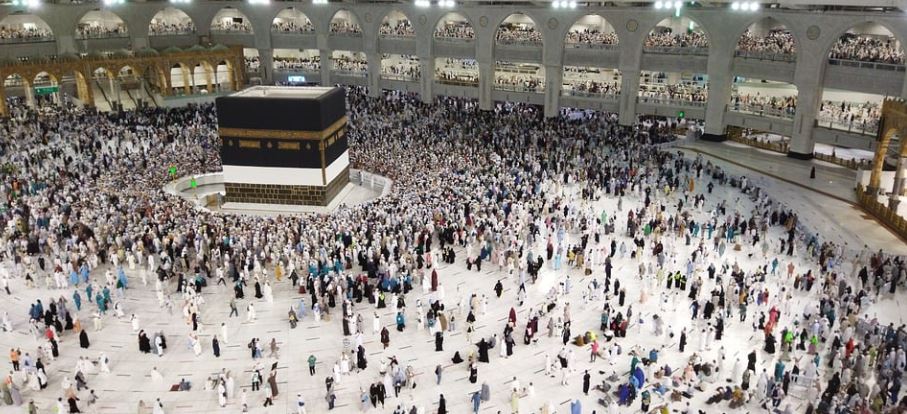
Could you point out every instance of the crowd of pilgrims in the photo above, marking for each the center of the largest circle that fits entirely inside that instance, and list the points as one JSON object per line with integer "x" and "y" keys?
{"x": 669, "y": 39}
{"x": 83, "y": 191}
{"x": 402, "y": 28}
{"x": 292, "y": 25}
{"x": 159, "y": 27}
{"x": 774, "y": 42}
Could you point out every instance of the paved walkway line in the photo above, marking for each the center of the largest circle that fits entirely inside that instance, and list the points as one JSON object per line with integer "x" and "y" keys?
{"x": 775, "y": 176}
{"x": 789, "y": 181}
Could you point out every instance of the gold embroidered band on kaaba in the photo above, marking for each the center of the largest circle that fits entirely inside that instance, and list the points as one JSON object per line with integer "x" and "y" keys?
{"x": 283, "y": 133}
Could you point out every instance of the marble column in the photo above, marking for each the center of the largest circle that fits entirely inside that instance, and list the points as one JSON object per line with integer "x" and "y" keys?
{"x": 553, "y": 84}
{"x": 486, "y": 83}
{"x": 324, "y": 55}
{"x": 266, "y": 68}
{"x": 374, "y": 74}
{"x": 427, "y": 78}
{"x": 894, "y": 199}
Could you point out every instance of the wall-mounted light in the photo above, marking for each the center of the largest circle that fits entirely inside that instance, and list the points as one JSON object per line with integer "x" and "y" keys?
{"x": 747, "y": 6}
{"x": 423, "y": 3}
{"x": 113, "y": 2}
{"x": 31, "y": 4}
{"x": 447, "y": 4}
{"x": 259, "y": 2}
{"x": 181, "y": 1}
{"x": 319, "y": 1}
{"x": 564, "y": 4}
{"x": 669, "y": 4}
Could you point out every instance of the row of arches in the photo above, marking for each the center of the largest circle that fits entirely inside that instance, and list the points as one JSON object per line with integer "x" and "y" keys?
{"x": 591, "y": 31}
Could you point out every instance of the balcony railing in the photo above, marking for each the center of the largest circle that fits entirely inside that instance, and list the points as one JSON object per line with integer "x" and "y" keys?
{"x": 457, "y": 82}
{"x": 608, "y": 96}
{"x": 86, "y": 36}
{"x": 454, "y": 40}
{"x": 291, "y": 32}
{"x": 856, "y": 127}
{"x": 762, "y": 110}
{"x": 587, "y": 45}
{"x": 400, "y": 77}
{"x": 346, "y": 34}
{"x": 519, "y": 88}
{"x": 352, "y": 73}
{"x": 41, "y": 39}
{"x": 230, "y": 32}
{"x": 173, "y": 33}
{"x": 867, "y": 65}
{"x": 698, "y": 51}
{"x": 298, "y": 69}
{"x": 518, "y": 43}
{"x": 774, "y": 57}
{"x": 655, "y": 100}
{"x": 397, "y": 37}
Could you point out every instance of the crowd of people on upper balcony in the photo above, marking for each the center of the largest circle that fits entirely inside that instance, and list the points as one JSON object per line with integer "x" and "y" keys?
{"x": 856, "y": 115}
{"x": 510, "y": 33}
{"x": 519, "y": 82}
{"x": 775, "y": 42}
{"x": 867, "y": 48}
{"x": 458, "y": 71}
{"x": 591, "y": 87}
{"x": 297, "y": 63}
{"x": 350, "y": 63}
{"x": 403, "y": 67}
{"x": 22, "y": 33}
{"x": 166, "y": 28}
{"x": 292, "y": 26}
{"x": 682, "y": 92}
{"x": 590, "y": 37}
{"x": 759, "y": 103}
{"x": 853, "y": 115}
{"x": 668, "y": 39}
{"x": 455, "y": 30}
{"x": 90, "y": 31}
{"x": 238, "y": 25}
{"x": 400, "y": 28}
{"x": 345, "y": 27}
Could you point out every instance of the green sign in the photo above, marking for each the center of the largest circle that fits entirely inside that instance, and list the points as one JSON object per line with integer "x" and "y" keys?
{"x": 46, "y": 90}
{"x": 172, "y": 170}
{"x": 193, "y": 183}
{"x": 681, "y": 114}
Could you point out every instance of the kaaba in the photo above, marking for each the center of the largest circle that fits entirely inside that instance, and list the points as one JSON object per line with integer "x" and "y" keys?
{"x": 284, "y": 145}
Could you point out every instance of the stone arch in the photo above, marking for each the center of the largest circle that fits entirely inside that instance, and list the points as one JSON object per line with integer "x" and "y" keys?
{"x": 532, "y": 20}
{"x": 444, "y": 19}
{"x": 409, "y": 29}
{"x": 604, "y": 19}
{"x": 832, "y": 40}
{"x": 207, "y": 81}
{"x": 16, "y": 77}
{"x": 83, "y": 89}
{"x": 778, "y": 22}
{"x": 30, "y": 23}
{"x": 113, "y": 25}
{"x": 291, "y": 14}
{"x": 230, "y": 78}
{"x": 350, "y": 15}
{"x": 185, "y": 77}
{"x": 231, "y": 19}
{"x": 171, "y": 20}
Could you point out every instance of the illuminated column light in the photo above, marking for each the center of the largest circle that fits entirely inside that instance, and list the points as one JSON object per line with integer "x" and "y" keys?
{"x": 669, "y": 4}
{"x": 423, "y": 3}
{"x": 31, "y": 4}
{"x": 564, "y": 4}
{"x": 447, "y": 4}
{"x": 747, "y": 6}
{"x": 181, "y": 1}
{"x": 259, "y": 1}
{"x": 113, "y": 2}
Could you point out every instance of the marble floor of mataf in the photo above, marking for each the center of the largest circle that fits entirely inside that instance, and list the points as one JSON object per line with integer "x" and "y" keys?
{"x": 130, "y": 380}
